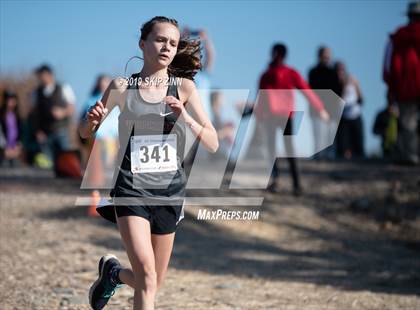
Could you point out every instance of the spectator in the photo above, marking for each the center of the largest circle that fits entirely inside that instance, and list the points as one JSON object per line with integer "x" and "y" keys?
{"x": 108, "y": 133}
{"x": 103, "y": 147}
{"x": 402, "y": 76}
{"x": 203, "y": 83}
{"x": 11, "y": 127}
{"x": 323, "y": 76}
{"x": 225, "y": 130}
{"x": 277, "y": 111}
{"x": 54, "y": 105}
{"x": 203, "y": 77}
{"x": 350, "y": 130}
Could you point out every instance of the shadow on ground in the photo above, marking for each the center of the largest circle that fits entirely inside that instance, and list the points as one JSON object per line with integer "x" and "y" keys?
{"x": 350, "y": 258}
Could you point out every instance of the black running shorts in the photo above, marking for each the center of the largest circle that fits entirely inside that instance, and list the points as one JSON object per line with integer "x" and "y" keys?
{"x": 163, "y": 219}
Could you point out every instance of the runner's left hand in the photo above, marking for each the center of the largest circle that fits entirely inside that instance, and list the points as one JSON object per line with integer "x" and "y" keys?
{"x": 177, "y": 106}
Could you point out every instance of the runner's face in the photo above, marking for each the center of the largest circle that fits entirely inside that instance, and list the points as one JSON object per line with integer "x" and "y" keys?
{"x": 161, "y": 44}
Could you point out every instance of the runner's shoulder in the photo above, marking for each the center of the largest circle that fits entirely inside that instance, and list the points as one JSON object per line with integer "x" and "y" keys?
{"x": 186, "y": 87}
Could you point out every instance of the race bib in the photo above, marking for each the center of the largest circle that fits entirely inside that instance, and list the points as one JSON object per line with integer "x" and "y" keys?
{"x": 153, "y": 153}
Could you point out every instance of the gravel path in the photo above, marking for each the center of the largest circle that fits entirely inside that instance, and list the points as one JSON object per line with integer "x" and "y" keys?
{"x": 351, "y": 242}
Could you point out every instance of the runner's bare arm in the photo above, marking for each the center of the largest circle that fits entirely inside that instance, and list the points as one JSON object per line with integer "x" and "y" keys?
{"x": 200, "y": 125}
{"x": 113, "y": 95}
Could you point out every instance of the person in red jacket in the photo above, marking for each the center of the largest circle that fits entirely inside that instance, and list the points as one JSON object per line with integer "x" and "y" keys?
{"x": 276, "y": 110}
{"x": 402, "y": 75}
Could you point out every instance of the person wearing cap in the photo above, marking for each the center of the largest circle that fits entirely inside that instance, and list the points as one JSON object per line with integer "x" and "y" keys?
{"x": 402, "y": 75}
{"x": 54, "y": 105}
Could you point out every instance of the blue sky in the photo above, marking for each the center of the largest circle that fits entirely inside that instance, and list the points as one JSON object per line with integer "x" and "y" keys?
{"x": 81, "y": 39}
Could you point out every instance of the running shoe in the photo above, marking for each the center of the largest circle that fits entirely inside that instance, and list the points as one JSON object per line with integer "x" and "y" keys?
{"x": 103, "y": 288}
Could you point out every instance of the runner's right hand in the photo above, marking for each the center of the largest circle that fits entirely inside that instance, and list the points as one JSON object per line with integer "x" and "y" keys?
{"x": 96, "y": 113}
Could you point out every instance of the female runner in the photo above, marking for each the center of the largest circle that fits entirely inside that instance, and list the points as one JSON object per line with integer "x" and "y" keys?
{"x": 150, "y": 181}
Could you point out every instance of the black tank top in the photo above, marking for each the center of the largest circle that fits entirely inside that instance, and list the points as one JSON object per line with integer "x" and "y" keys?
{"x": 153, "y": 124}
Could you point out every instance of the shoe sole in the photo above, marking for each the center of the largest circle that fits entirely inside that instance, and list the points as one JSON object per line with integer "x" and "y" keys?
{"x": 104, "y": 259}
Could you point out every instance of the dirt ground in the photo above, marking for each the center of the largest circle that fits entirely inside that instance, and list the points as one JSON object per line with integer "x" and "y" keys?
{"x": 352, "y": 241}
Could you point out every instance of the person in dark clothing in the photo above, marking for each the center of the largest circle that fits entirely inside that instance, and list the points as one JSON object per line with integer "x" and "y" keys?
{"x": 53, "y": 108}
{"x": 323, "y": 76}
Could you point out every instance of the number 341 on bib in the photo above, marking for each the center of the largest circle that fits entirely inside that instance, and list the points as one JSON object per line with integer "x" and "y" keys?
{"x": 153, "y": 153}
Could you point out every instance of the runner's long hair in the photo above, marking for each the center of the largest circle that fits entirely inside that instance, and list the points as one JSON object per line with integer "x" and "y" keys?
{"x": 187, "y": 60}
